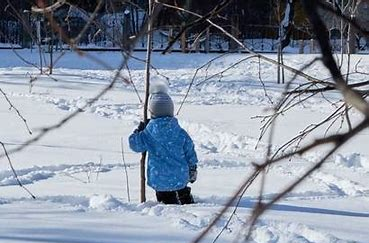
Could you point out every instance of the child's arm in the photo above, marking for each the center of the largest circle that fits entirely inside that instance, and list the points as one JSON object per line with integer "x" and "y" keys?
{"x": 137, "y": 141}
{"x": 191, "y": 157}
{"x": 190, "y": 153}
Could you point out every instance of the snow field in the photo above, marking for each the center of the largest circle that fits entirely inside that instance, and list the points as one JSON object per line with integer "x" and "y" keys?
{"x": 78, "y": 176}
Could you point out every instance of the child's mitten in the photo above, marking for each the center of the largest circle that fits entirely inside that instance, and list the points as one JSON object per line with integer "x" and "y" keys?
{"x": 193, "y": 173}
{"x": 142, "y": 125}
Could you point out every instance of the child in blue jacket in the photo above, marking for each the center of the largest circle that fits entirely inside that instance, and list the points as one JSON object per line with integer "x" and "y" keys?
{"x": 172, "y": 160}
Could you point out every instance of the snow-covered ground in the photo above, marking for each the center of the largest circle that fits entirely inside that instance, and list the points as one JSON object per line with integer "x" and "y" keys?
{"x": 78, "y": 177}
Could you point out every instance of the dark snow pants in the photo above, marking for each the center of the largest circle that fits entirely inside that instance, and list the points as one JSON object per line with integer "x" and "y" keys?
{"x": 182, "y": 196}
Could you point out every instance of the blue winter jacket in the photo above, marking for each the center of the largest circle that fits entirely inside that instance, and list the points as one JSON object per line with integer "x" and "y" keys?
{"x": 170, "y": 153}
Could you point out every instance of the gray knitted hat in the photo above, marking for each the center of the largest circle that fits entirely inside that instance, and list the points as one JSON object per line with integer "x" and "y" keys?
{"x": 161, "y": 105}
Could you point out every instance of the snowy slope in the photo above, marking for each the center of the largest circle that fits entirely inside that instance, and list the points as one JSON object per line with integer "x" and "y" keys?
{"x": 77, "y": 173}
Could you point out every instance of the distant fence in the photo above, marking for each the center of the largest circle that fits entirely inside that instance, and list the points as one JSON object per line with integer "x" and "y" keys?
{"x": 11, "y": 33}
{"x": 112, "y": 30}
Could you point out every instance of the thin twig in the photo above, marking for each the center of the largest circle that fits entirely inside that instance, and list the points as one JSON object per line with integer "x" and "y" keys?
{"x": 125, "y": 170}
{"x": 262, "y": 82}
{"x": 133, "y": 84}
{"x": 270, "y": 60}
{"x": 207, "y": 64}
{"x": 15, "y": 173}
{"x": 89, "y": 22}
{"x": 48, "y": 9}
{"x": 338, "y": 142}
{"x": 99, "y": 168}
{"x": 206, "y": 18}
{"x": 16, "y": 110}
{"x": 91, "y": 101}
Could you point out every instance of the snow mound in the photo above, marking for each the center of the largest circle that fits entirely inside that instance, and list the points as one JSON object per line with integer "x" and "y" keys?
{"x": 95, "y": 202}
{"x": 223, "y": 163}
{"x": 78, "y": 203}
{"x": 104, "y": 203}
{"x": 26, "y": 176}
{"x": 2, "y": 201}
{"x": 100, "y": 108}
{"x": 211, "y": 141}
{"x": 181, "y": 217}
{"x": 340, "y": 186}
{"x": 278, "y": 232}
{"x": 354, "y": 160}
{"x": 37, "y": 173}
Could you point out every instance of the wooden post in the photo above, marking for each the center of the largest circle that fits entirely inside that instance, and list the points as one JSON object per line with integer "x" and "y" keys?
{"x": 51, "y": 50}
{"x": 183, "y": 40}
{"x": 279, "y": 64}
{"x": 301, "y": 46}
{"x": 351, "y": 47}
{"x": 233, "y": 46}
{"x": 312, "y": 46}
{"x": 279, "y": 44}
{"x": 282, "y": 68}
{"x": 38, "y": 33}
{"x": 147, "y": 93}
{"x": 170, "y": 37}
{"x": 207, "y": 40}
{"x": 197, "y": 44}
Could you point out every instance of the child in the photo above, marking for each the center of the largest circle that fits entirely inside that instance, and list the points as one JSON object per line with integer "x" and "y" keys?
{"x": 172, "y": 160}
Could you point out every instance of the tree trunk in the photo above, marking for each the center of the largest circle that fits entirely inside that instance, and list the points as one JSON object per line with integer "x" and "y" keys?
{"x": 51, "y": 50}
{"x": 301, "y": 46}
{"x": 233, "y": 46}
{"x": 147, "y": 92}
{"x": 312, "y": 46}
{"x": 170, "y": 37}
{"x": 207, "y": 41}
{"x": 351, "y": 49}
{"x": 183, "y": 41}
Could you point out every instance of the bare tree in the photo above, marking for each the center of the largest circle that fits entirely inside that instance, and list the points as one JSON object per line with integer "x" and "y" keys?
{"x": 353, "y": 97}
{"x": 147, "y": 90}
{"x": 55, "y": 27}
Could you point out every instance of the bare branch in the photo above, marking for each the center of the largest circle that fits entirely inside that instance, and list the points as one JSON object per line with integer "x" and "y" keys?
{"x": 16, "y": 110}
{"x": 228, "y": 204}
{"x": 350, "y": 96}
{"x": 206, "y": 18}
{"x": 353, "y": 22}
{"x": 49, "y": 9}
{"x": 125, "y": 170}
{"x": 193, "y": 80}
{"x": 69, "y": 117}
{"x": 15, "y": 173}
{"x": 338, "y": 142}
{"x": 87, "y": 25}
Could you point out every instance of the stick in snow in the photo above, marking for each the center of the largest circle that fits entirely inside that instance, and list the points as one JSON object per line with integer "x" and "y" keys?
{"x": 125, "y": 170}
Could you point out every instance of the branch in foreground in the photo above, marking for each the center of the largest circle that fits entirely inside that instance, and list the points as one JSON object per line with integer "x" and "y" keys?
{"x": 48, "y": 9}
{"x": 321, "y": 33}
{"x": 296, "y": 72}
{"x": 61, "y": 123}
{"x": 291, "y": 69}
{"x": 337, "y": 12}
{"x": 338, "y": 142}
{"x": 16, "y": 110}
{"x": 328, "y": 88}
{"x": 15, "y": 173}
{"x": 207, "y": 64}
{"x": 125, "y": 170}
{"x": 214, "y": 12}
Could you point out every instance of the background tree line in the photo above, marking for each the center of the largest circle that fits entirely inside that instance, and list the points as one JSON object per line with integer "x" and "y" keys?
{"x": 255, "y": 22}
